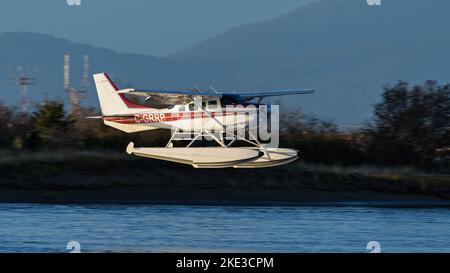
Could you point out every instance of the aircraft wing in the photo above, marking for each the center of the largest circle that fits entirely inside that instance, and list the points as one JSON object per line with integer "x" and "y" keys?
{"x": 171, "y": 97}
{"x": 263, "y": 94}
{"x": 186, "y": 96}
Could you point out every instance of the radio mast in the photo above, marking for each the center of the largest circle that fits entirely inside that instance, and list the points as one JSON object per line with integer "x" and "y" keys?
{"x": 23, "y": 81}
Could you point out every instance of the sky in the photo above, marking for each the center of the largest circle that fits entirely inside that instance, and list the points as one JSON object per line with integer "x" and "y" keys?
{"x": 152, "y": 27}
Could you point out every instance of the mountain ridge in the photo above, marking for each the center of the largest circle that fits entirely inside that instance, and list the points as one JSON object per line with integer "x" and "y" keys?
{"x": 338, "y": 47}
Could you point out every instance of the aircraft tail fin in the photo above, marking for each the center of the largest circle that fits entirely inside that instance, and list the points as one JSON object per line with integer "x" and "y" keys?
{"x": 112, "y": 102}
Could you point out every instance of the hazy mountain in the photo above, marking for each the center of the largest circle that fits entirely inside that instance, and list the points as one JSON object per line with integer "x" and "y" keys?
{"x": 155, "y": 27}
{"x": 41, "y": 56}
{"x": 345, "y": 49}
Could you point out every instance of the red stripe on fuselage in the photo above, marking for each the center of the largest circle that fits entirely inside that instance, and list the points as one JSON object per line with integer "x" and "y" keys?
{"x": 162, "y": 117}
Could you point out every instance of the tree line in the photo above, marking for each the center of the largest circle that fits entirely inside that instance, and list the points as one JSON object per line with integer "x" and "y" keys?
{"x": 51, "y": 126}
{"x": 410, "y": 127}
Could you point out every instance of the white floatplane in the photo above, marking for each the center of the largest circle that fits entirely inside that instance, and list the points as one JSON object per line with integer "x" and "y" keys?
{"x": 197, "y": 113}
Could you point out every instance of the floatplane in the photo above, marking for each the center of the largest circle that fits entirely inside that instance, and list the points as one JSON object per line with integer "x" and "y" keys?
{"x": 198, "y": 114}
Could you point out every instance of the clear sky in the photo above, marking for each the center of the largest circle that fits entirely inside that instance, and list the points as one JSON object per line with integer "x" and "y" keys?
{"x": 155, "y": 27}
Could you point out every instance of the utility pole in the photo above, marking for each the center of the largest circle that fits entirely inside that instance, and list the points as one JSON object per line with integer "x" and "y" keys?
{"x": 23, "y": 81}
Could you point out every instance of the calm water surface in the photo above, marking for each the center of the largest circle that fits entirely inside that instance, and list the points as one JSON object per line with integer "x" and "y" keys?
{"x": 177, "y": 228}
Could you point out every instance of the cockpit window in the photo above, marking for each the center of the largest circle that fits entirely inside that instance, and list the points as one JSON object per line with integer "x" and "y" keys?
{"x": 182, "y": 108}
{"x": 212, "y": 104}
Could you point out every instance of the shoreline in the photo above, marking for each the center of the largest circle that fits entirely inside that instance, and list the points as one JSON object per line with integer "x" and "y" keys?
{"x": 220, "y": 198}
{"x": 81, "y": 178}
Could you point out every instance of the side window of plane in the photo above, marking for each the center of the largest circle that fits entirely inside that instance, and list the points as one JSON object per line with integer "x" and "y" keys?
{"x": 212, "y": 104}
{"x": 192, "y": 107}
{"x": 203, "y": 104}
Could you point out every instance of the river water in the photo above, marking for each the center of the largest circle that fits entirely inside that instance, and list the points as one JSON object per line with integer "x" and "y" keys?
{"x": 178, "y": 228}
